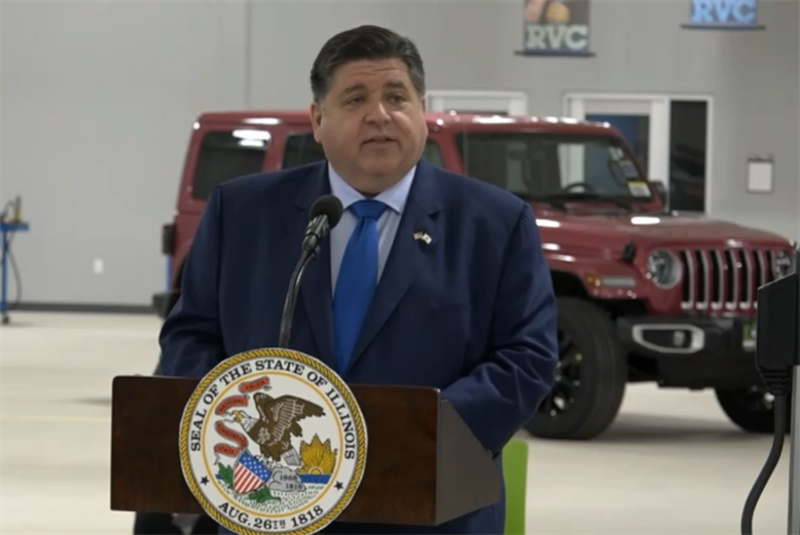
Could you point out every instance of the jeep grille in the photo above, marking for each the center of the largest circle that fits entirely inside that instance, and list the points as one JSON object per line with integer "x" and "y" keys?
{"x": 724, "y": 279}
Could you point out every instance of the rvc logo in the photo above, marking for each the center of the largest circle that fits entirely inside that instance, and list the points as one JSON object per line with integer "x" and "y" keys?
{"x": 568, "y": 38}
{"x": 556, "y": 28}
{"x": 725, "y": 14}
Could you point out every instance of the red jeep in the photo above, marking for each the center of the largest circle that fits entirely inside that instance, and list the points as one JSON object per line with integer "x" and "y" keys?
{"x": 643, "y": 295}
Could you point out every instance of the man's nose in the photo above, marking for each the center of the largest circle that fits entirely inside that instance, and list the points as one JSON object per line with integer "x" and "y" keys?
{"x": 377, "y": 113}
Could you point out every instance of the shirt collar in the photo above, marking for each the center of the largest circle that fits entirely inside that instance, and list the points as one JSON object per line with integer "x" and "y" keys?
{"x": 394, "y": 197}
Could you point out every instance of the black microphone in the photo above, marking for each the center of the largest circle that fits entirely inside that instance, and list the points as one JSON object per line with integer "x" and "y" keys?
{"x": 325, "y": 214}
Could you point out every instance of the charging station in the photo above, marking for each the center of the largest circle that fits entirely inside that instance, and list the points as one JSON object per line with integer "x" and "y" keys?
{"x": 778, "y": 361}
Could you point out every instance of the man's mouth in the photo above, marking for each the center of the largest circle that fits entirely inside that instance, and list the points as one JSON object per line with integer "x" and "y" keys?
{"x": 379, "y": 140}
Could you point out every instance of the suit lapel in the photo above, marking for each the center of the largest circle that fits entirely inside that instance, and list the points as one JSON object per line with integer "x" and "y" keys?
{"x": 315, "y": 287}
{"x": 407, "y": 257}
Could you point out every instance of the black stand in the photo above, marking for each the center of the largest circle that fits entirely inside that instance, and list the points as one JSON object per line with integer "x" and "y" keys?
{"x": 291, "y": 296}
{"x": 794, "y": 457}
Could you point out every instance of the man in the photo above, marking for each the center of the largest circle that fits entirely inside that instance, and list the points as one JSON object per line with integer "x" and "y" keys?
{"x": 470, "y": 309}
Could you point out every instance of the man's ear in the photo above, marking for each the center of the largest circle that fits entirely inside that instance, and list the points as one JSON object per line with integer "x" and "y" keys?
{"x": 424, "y": 104}
{"x": 315, "y": 113}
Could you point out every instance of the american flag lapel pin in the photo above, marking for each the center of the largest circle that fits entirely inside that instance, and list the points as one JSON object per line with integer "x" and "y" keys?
{"x": 422, "y": 236}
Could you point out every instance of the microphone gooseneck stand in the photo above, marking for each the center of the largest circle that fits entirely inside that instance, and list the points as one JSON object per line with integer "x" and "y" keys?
{"x": 291, "y": 296}
{"x": 325, "y": 214}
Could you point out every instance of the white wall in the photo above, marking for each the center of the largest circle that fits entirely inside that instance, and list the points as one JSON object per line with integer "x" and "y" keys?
{"x": 98, "y": 101}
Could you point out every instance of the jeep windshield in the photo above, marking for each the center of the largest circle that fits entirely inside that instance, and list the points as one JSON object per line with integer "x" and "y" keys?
{"x": 555, "y": 168}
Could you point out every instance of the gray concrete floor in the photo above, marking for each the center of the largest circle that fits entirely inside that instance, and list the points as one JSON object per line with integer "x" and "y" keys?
{"x": 671, "y": 464}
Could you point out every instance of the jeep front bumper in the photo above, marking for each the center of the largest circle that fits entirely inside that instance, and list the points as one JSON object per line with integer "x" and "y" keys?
{"x": 693, "y": 352}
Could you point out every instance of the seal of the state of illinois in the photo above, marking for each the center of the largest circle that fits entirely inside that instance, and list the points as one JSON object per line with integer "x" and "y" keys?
{"x": 273, "y": 441}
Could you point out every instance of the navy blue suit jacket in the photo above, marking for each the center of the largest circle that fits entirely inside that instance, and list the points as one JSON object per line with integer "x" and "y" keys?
{"x": 472, "y": 312}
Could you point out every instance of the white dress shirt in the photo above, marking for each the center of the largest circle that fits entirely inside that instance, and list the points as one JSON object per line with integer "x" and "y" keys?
{"x": 395, "y": 200}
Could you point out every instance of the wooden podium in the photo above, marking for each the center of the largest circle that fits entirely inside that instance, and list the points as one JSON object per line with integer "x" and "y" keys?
{"x": 424, "y": 466}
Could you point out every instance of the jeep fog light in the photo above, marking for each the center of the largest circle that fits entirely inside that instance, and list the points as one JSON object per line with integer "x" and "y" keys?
{"x": 678, "y": 338}
{"x": 664, "y": 268}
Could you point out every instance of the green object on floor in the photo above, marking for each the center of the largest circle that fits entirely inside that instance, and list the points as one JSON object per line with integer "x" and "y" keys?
{"x": 515, "y": 471}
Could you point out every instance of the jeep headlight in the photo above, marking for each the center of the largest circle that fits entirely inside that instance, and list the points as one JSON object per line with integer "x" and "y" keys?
{"x": 783, "y": 264}
{"x": 664, "y": 268}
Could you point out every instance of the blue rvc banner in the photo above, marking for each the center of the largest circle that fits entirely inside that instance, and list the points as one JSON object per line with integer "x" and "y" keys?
{"x": 724, "y": 14}
{"x": 555, "y": 28}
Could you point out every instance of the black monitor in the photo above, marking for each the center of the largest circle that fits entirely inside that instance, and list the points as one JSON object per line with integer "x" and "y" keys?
{"x": 778, "y": 326}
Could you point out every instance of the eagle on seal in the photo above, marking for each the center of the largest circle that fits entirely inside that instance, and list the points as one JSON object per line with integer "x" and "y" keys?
{"x": 276, "y": 424}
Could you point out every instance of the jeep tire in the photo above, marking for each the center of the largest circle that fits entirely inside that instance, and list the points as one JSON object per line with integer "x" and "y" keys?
{"x": 751, "y": 409}
{"x": 591, "y": 379}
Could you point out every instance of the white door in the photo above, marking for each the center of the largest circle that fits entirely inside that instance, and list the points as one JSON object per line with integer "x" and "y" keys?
{"x": 660, "y": 140}
{"x": 466, "y": 101}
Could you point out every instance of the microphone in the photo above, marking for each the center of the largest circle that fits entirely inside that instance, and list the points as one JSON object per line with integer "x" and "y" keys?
{"x": 325, "y": 214}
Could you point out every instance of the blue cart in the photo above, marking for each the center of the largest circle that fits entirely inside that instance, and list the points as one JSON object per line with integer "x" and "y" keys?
{"x": 8, "y": 230}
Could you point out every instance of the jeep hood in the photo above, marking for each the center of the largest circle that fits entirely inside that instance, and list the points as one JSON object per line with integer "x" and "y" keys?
{"x": 661, "y": 227}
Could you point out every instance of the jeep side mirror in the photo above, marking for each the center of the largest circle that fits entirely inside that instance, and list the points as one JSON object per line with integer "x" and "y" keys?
{"x": 663, "y": 194}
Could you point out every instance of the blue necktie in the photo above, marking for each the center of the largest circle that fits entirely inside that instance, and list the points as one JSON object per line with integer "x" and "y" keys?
{"x": 358, "y": 278}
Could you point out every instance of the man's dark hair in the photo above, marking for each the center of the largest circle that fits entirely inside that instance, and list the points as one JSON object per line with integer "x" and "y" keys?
{"x": 364, "y": 43}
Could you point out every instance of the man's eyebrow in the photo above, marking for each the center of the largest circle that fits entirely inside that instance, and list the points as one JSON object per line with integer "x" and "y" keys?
{"x": 395, "y": 85}
{"x": 353, "y": 88}
{"x": 361, "y": 87}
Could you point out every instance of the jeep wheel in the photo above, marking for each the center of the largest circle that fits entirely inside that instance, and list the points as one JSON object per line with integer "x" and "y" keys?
{"x": 752, "y": 409}
{"x": 591, "y": 376}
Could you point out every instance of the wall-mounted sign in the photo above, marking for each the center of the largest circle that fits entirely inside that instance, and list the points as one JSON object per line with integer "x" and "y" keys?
{"x": 556, "y": 28}
{"x": 760, "y": 174}
{"x": 724, "y": 15}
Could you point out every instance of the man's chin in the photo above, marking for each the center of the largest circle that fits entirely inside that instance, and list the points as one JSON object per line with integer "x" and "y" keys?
{"x": 381, "y": 173}
{"x": 380, "y": 166}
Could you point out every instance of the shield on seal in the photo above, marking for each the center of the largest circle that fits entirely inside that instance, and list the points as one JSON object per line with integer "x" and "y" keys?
{"x": 273, "y": 441}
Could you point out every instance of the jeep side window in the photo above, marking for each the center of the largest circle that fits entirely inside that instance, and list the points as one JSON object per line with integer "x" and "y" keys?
{"x": 225, "y": 155}
{"x": 302, "y": 149}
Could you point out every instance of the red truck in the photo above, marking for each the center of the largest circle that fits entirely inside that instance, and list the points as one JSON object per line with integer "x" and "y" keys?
{"x": 643, "y": 294}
